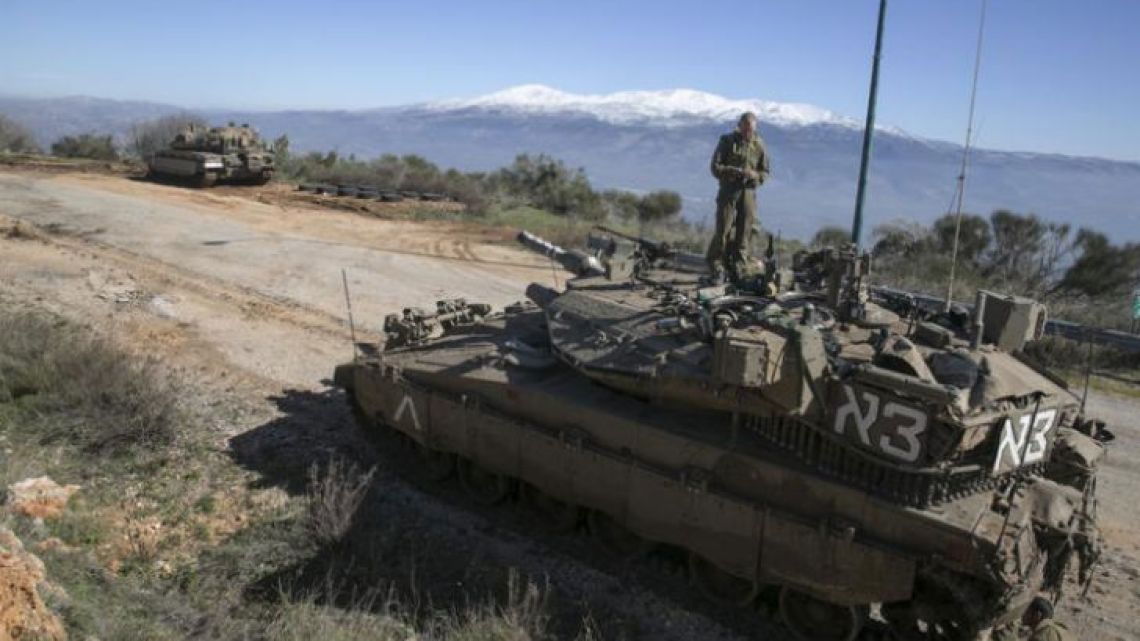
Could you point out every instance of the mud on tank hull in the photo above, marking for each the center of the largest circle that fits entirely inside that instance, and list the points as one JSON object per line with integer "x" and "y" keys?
{"x": 748, "y": 516}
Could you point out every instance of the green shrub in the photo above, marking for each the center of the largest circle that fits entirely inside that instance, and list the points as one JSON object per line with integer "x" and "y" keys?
{"x": 15, "y": 138}
{"x": 83, "y": 390}
{"x": 659, "y": 205}
{"x": 85, "y": 146}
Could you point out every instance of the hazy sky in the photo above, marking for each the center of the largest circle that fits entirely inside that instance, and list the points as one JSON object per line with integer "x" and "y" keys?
{"x": 1057, "y": 75}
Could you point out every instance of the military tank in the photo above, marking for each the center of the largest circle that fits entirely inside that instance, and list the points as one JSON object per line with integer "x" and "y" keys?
{"x": 203, "y": 157}
{"x": 796, "y": 438}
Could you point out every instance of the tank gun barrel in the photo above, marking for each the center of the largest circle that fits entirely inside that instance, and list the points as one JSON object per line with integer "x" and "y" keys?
{"x": 578, "y": 262}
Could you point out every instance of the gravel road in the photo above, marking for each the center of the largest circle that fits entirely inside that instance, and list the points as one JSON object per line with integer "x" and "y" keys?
{"x": 249, "y": 293}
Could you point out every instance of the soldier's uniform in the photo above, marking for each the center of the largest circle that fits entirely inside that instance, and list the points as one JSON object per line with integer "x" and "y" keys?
{"x": 735, "y": 200}
{"x": 1047, "y": 630}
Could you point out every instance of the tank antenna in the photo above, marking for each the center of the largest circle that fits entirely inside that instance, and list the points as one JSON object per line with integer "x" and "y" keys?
{"x": 868, "y": 129}
{"x": 965, "y": 158}
{"x": 1088, "y": 371}
{"x": 348, "y": 303}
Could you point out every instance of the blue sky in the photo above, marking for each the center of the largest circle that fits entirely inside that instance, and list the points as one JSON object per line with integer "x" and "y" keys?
{"x": 1058, "y": 75}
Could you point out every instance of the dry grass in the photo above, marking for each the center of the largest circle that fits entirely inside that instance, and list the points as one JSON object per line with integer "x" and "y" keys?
{"x": 74, "y": 388}
{"x": 334, "y": 495}
{"x": 131, "y": 566}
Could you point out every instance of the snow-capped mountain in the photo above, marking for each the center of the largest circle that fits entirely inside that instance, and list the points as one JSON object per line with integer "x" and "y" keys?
{"x": 672, "y": 107}
{"x": 643, "y": 140}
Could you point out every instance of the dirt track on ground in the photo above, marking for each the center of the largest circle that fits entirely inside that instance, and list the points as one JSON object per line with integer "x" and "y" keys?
{"x": 244, "y": 288}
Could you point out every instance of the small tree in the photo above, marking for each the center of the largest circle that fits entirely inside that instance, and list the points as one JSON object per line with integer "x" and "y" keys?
{"x": 900, "y": 238}
{"x": 1101, "y": 268}
{"x": 85, "y": 146}
{"x": 973, "y": 237}
{"x": 658, "y": 205}
{"x": 16, "y": 138}
{"x": 618, "y": 204}
{"x": 831, "y": 236}
{"x": 146, "y": 138}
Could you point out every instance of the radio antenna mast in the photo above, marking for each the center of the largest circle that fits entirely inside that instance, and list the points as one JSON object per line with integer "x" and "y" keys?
{"x": 965, "y": 158}
{"x": 348, "y": 303}
{"x": 868, "y": 128}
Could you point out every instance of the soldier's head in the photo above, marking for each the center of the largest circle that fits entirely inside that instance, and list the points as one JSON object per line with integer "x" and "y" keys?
{"x": 1039, "y": 609}
{"x": 746, "y": 125}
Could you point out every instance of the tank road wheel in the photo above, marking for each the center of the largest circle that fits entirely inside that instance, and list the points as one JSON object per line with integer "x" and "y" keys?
{"x": 616, "y": 537}
{"x": 718, "y": 585}
{"x": 206, "y": 180}
{"x": 812, "y": 619}
{"x": 437, "y": 465}
{"x": 559, "y": 515}
{"x": 484, "y": 487}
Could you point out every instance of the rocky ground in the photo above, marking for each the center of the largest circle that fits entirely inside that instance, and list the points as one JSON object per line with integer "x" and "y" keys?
{"x": 242, "y": 291}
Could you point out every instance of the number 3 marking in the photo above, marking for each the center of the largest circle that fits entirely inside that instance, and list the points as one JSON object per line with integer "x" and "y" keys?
{"x": 909, "y": 433}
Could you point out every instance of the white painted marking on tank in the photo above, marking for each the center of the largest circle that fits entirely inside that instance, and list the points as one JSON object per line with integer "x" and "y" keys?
{"x": 405, "y": 405}
{"x": 863, "y": 421}
{"x": 1013, "y": 444}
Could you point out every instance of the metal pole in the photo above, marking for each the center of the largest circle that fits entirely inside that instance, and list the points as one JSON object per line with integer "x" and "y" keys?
{"x": 869, "y": 128}
{"x": 965, "y": 158}
{"x": 348, "y": 303}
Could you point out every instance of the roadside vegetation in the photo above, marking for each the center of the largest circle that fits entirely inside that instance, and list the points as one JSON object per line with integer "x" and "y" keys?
{"x": 15, "y": 138}
{"x": 1081, "y": 274}
{"x": 169, "y": 537}
{"x": 92, "y": 146}
{"x": 530, "y": 184}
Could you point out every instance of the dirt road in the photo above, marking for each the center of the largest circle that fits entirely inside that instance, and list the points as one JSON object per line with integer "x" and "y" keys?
{"x": 250, "y": 293}
{"x": 259, "y": 282}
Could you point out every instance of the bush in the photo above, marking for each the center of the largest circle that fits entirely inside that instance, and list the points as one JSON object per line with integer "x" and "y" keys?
{"x": 83, "y": 390}
{"x": 831, "y": 236}
{"x": 153, "y": 135}
{"x": 659, "y": 205}
{"x": 15, "y": 138}
{"x": 85, "y": 146}
{"x": 333, "y": 498}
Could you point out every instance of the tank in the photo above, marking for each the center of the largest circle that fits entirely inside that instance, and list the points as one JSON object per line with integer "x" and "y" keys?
{"x": 856, "y": 461}
{"x": 203, "y": 157}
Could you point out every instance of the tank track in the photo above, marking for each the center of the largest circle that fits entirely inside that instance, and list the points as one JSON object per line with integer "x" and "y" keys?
{"x": 918, "y": 488}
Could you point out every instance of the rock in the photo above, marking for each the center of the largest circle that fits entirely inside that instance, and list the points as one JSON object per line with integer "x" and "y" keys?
{"x": 53, "y": 544}
{"x": 162, "y": 307}
{"x": 39, "y": 498}
{"x": 23, "y": 614}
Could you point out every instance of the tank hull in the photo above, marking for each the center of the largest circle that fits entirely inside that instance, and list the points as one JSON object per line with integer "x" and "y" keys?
{"x": 698, "y": 480}
{"x": 204, "y": 168}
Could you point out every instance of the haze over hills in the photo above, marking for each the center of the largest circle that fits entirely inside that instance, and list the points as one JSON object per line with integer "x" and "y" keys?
{"x": 643, "y": 140}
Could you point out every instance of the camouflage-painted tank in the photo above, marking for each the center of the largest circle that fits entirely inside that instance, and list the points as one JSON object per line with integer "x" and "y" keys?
{"x": 793, "y": 437}
{"x": 203, "y": 157}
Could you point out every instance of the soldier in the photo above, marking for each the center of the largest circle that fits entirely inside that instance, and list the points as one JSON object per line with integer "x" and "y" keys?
{"x": 1039, "y": 621}
{"x": 740, "y": 164}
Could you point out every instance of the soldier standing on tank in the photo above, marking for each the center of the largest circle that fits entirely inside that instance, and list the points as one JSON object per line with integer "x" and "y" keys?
{"x": 1038, "y": 620}
{"x": 740, "y": 164}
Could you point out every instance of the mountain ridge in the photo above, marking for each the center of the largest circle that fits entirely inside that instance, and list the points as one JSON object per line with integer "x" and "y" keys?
{"x": 815, "y": 163}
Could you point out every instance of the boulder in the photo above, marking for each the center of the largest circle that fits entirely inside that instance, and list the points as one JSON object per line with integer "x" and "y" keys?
{"x": 39, "y": 498}
{"x": 23, "y": 614}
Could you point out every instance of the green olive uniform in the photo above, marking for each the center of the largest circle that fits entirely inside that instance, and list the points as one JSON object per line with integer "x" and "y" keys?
{"x": 735, "y": 200}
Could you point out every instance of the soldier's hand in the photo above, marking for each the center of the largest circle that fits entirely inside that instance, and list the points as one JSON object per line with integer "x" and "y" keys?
{"x": 751, "y": 175}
